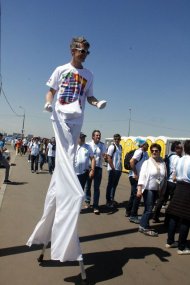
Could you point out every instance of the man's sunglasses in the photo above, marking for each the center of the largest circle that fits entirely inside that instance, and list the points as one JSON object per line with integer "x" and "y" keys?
{"x": 154, "y": 150}
{"x": 83, "y": 51}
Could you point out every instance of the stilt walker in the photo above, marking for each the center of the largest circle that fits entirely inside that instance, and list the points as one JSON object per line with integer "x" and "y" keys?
{"x": 73, "y": 84}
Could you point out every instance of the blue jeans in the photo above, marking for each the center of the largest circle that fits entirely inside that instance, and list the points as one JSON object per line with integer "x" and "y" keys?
{"x": 42, "y": 160}
{"x": 134, "y": 201}
{"x": 83, "y": 178}
{"x": 97, "y": 182}
{"x": 149, "y": 197}
{"x": 183, "y": 231}
{"x": 113, "y": 180}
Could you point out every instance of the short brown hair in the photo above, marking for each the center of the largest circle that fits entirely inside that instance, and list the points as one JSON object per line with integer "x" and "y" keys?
{"x": 156, "y": 145}
{"x": 79, "y": 40}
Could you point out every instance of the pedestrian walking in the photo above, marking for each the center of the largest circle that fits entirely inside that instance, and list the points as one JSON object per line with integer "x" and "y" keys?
{"x": 99, "y": 151}
{"x": 3, "y": 160}
{"x": 114, "y": 168}
{"x": 84, "y": 161}
{"x": 179, "y": 207}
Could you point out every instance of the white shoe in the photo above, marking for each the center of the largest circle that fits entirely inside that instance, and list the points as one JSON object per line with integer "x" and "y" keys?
{"x": 87, "y": 205}
{"x": 96, "y": 211}
{"x": 186, "y": 251}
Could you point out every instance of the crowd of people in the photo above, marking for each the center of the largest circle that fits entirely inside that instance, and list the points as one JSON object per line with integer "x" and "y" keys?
{"x": 159, "y": 181}
{"x": 39, "y": 151}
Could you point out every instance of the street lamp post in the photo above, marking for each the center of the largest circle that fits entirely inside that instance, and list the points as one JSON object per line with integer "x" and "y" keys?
{"x": 23, "y": 121}
{"x": 129, "y": 122}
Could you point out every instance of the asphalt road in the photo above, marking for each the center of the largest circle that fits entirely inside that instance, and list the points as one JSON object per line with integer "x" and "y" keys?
{"x": 114, "y": 251}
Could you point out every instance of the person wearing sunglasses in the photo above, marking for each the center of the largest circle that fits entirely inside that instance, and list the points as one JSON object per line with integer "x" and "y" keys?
{"x": 73, "y": 86}
{"x": 179, "y": 207}
{"x": 152, "y": 180}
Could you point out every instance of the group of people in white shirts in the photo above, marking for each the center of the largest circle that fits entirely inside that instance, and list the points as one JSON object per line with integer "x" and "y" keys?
{"x": 40, "y": 152}
{"x": 95, "y": 151}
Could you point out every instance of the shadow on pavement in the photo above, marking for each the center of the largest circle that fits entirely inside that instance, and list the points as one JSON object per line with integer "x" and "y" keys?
{"x": 108, "y": 265}
{"x": 23, "y": 248}
{"x": 18, "y": 250}
{"x": 16, "y": 183}
{"x": 103, "y": 265}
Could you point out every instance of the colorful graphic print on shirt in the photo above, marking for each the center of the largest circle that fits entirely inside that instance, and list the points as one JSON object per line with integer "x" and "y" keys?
{"x": 71, "y": 88}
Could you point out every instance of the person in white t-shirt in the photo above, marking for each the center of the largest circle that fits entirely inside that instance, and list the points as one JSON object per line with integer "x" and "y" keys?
{"x": 34, "y": 151}
{"x": 139, "y": 156}
{"x": 99, "y": 151}
{"x": 114, "y": 168}
{"x": 51, "y": 150}
{"x": 84, "y": 154}
{"x": 73, "y": 85}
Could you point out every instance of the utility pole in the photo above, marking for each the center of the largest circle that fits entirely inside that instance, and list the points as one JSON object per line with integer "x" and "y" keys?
{"x": 129, "y": 130}
{"x": 23, "y": 121}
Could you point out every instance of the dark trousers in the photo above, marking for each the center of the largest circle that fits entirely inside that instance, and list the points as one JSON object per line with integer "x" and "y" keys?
{"x": 97, "y": 182}
{"x": 83, "y": 178}
{"x": 183, "y": 231}
{"x": 6, "y": 164}
{"x": 163, "y": 198}
{"x": 51, "y": 163}
{"x": 134, "y": 201}
{"x": 113, "y": 180}
{"x": 34, "y": 162}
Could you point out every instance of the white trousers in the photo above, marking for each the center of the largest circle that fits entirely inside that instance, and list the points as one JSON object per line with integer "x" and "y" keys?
{"x": 64, "y": 198}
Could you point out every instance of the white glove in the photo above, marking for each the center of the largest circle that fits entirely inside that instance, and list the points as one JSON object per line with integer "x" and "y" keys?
{"x": 101, "y": 104}
{"x": 48, "y": 107}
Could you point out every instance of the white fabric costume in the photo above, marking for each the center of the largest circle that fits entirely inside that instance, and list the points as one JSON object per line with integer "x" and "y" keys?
{"x": 65, "y": 195}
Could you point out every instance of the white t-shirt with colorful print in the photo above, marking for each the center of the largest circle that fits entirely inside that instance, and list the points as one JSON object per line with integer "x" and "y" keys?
{"x": 73, "y": 86}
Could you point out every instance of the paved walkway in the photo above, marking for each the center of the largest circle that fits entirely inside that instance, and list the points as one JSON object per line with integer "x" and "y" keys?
{"x": 114, "y": 251}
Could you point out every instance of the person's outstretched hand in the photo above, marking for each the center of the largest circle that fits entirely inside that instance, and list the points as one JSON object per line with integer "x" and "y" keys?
{"x": 48, "y": 107}
{"x": 101, "y": 104}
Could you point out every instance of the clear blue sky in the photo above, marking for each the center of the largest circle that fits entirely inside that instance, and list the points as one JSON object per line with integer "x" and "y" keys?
{"x": 140, "y": 58}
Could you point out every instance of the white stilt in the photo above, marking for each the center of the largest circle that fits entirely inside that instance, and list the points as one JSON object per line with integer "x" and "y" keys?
{"x": 41, "y": 257}
{"x": 83, "y": 273}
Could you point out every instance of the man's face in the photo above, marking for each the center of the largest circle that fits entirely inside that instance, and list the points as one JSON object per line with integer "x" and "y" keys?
{"x": 145, "y": 147}
{"x": 96, "y": 138}
{"x": 179, "y": 149}
{"x": 81, "y": 141}
{"x": 117, "y": 140}
{"x": 80, "y": 53}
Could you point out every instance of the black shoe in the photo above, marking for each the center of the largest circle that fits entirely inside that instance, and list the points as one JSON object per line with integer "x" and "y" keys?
{"x": 110, "y": 205}
{"x": 7, "y": 181}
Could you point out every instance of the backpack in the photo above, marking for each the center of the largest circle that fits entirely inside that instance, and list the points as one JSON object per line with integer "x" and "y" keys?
{"x": 128, "y": 157}
{"x": 106, "y": 155}
{"x": 167, "y": 162}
